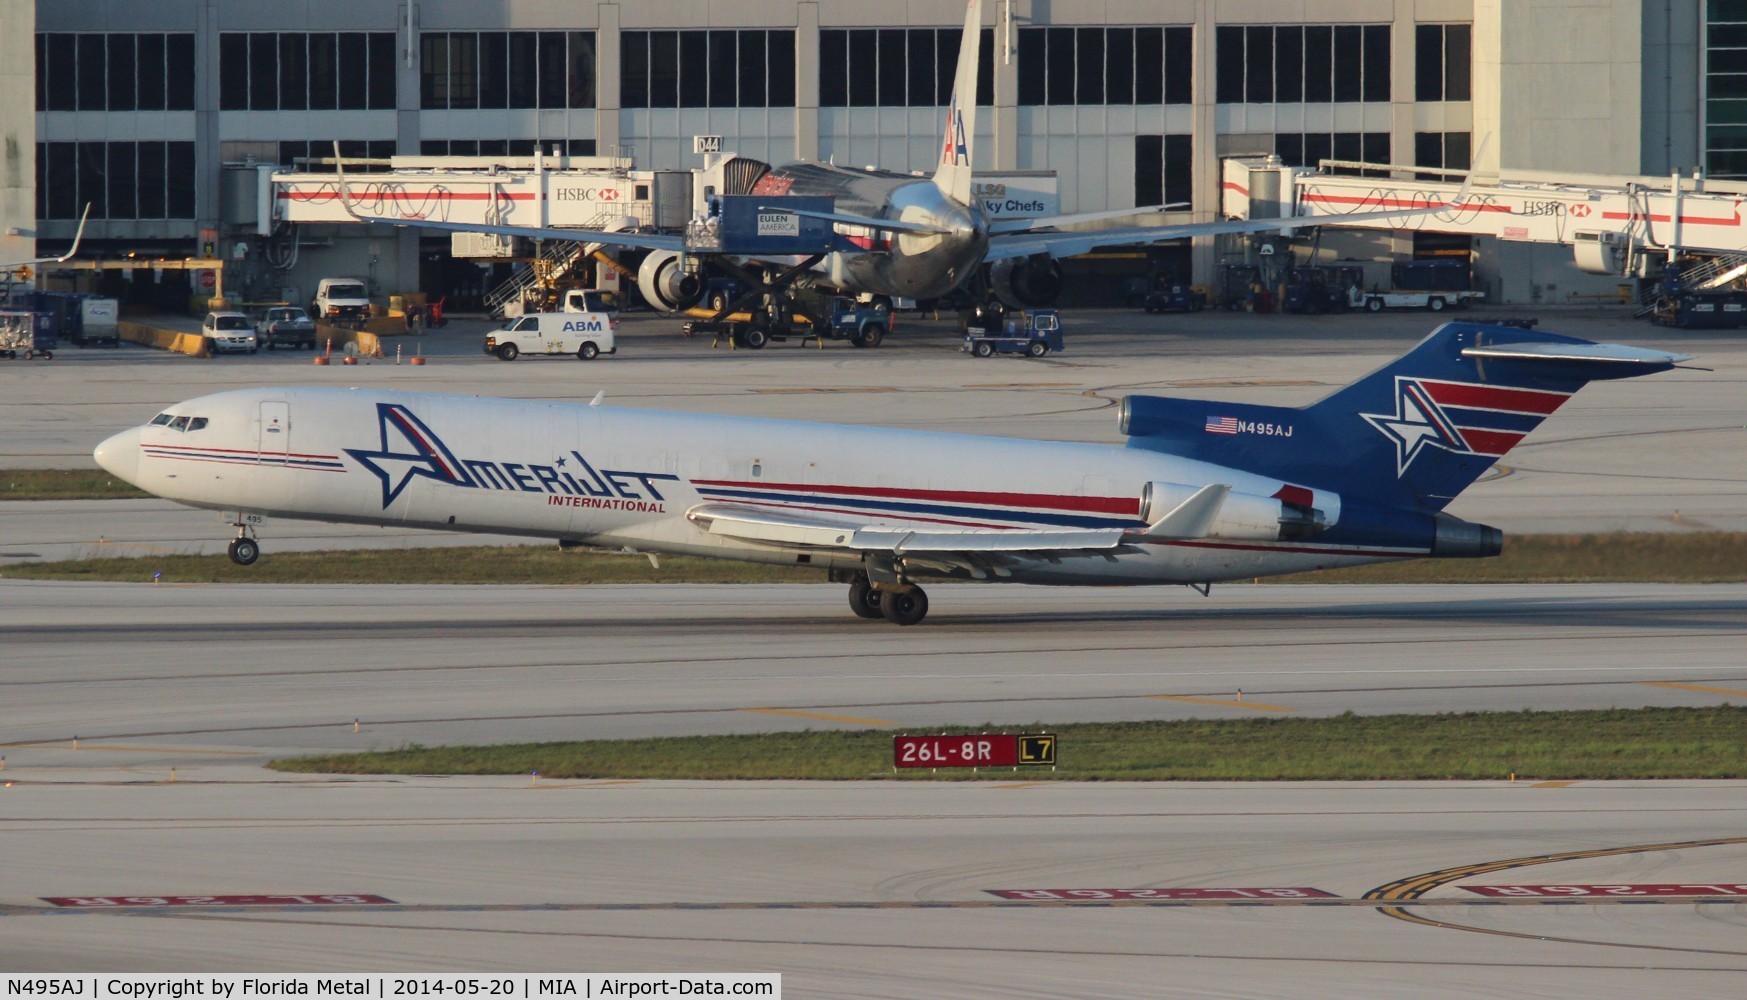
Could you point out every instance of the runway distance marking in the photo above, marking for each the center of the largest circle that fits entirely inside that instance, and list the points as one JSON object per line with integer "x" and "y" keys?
{"x": 131, "y": 902}
{"x": 1166, "y": 893}
{"x": 1569, "y": 891}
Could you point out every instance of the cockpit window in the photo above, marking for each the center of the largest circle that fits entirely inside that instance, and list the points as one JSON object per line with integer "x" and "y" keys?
{"x": 162, "y": 419}
{"x": 179, "y": 424}
{"x": 196, "y": 423}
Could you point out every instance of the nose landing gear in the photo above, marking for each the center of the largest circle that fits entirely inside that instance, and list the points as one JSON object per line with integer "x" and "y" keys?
{"x": 244, "y": 550}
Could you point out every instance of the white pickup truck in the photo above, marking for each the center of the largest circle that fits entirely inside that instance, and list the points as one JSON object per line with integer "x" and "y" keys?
{"x": 583, "y": 334}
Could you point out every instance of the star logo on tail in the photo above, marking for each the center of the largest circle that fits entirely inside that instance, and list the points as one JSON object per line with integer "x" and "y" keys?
{"x": 409, "y": 450}
{"x": 1416, "y": 424}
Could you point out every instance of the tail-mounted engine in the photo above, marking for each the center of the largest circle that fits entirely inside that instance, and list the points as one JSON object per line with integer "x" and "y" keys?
{"x": 1293, "y": 512}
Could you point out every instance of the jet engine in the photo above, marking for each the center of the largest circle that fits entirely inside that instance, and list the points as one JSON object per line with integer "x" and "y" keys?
{"x": 1027, "y": 282}
{"x": 666, "y": 282}
{"x": 1292, "y": 512}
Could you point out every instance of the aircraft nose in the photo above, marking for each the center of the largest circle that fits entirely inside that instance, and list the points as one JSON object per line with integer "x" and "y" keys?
{"x": 120, "y": 455}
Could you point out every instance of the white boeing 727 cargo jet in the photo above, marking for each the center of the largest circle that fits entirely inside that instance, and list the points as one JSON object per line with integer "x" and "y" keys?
{"x": 1203, "y": 492}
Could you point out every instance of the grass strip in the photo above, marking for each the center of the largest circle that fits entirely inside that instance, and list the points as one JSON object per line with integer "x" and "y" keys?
{"x": 65, "y": 484}
{"x": 1639, "y": 743}
{"x": 1710, "y": 557}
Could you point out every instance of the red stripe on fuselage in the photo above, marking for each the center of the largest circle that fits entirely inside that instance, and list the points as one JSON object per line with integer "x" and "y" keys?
{"x": 412, "y": 432}
{"x": 1047, "y": 501}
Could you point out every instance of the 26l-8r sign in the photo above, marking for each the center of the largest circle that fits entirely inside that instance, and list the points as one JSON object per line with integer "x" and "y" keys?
{"x": 982, "y": 750}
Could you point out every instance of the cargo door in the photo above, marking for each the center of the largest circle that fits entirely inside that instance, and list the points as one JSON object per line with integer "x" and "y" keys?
{"x": 275, "y": 440}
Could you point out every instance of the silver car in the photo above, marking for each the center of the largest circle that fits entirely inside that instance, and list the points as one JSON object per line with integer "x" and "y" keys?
{"x": 229, "y": 332}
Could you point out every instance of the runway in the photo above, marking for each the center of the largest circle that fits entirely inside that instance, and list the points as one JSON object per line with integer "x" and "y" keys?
{"x": 873, "y": 889}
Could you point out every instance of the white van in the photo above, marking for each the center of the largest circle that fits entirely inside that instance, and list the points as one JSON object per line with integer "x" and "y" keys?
{"x": 585, "y": 335}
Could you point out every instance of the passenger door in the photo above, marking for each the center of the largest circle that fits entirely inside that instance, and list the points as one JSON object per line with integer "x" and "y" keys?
{"x": 275, "y": 438}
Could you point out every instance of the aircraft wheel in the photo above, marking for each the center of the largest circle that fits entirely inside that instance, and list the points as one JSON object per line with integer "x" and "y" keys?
{"x": 864, "y": 600}
{"x": 904, "y": 607}
{"x": 589, "y": 351}
{"x": 756, "y": 337}
{"x": 507, "y": 352}
{"x": 244, "y": 551}
{"x": 983, "y": 349}
{"x": 1037, "y": 349}
{"x": 883, "y": 303}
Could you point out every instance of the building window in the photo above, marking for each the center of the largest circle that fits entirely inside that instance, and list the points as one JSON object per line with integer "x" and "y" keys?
{"x": 718, "y": 68}
{"x": 114, "y": 72}
{"x": 370, "y": 149}
{"x": 1725, "y": 83}
{"x": 1163, "y": 170}
{"x": 1106, "y": 65}
{"x": 321, "y": 71}
{"x": 1308, "y": 64}
{"x": 1442, "y": 62}
{"x": 1449, "y": 150}
{"x": 898, "y": 67}
{"x": 120, "y": 180}
{"x": 503, "y": 147}
{"x": 1307, "y": 149}
{"x": 490, "y": 70}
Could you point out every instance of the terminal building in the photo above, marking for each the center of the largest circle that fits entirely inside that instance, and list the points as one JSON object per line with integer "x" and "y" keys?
{"x": 141, "y": 109}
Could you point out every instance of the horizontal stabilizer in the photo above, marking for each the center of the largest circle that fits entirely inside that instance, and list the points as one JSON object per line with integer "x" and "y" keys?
{"x": 1614, "y": 354}
{"x": 1193, "y": 518}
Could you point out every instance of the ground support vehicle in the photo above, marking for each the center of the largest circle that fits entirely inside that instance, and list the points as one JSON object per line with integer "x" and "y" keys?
{"x": 583, "y": 335}
{"x": 341, "y": 302}
{"x": 1377, "y": 300}
{"x": 1713, "y": 310}
{"x": 1176, "y": 296}
{"x": 30, "y": 332}
{"x": 862, "y": 324}
{"x": 285, "y": 326}
{"x": 1032, "y": 332}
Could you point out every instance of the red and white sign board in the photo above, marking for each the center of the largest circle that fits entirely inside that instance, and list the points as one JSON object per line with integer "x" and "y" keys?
{"x": 325, "y": 899}
{"x": 1085, "y": 895}
{"x": 1654, "y": 889}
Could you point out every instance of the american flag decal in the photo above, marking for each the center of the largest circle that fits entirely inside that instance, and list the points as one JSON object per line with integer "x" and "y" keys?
{"x": 1221, "y": 425}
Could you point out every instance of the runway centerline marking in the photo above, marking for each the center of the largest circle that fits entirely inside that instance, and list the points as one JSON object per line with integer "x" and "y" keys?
{"x": 1253, "y": 705}
{"x": 848, "y": 719}
{"x": 1678, "y": 685}
{"x": 1553, "y": 784}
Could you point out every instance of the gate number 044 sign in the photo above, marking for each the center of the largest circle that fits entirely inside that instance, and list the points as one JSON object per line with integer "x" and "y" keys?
{"x": 981, "y": 750}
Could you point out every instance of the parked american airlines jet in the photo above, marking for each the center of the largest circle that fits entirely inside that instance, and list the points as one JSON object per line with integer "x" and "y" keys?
{"x": 927, "y": 236}
{"x": 1203, "y": 492}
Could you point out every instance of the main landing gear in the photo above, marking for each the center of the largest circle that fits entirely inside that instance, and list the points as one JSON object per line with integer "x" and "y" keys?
{"x": 900, "y": 604}
{"x": 244, "y": 550}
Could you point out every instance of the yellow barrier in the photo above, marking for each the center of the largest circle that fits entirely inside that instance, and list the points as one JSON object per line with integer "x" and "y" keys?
{"x": 369, "y": 344}
{"x": 192, "y": 344}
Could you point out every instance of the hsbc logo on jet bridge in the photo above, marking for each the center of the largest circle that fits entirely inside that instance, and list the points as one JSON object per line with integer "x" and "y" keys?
{"x": 411, "y": 450}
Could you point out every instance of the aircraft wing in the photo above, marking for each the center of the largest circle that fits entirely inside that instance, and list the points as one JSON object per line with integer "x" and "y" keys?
{"x": 1069, "y": 244}
{"x": 755, "y": 524}
{"x": 63, "y": 258}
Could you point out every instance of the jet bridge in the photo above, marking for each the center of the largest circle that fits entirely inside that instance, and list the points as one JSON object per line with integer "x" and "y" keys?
{"x": 1620, "y": 225}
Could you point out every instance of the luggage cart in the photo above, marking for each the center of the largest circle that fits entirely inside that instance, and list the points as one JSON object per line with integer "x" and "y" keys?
{"x": 29, "y": 332}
